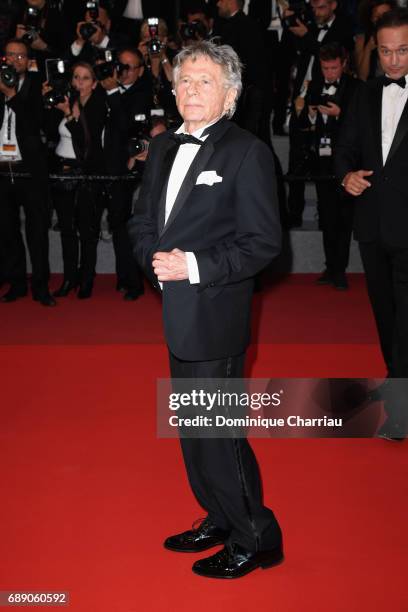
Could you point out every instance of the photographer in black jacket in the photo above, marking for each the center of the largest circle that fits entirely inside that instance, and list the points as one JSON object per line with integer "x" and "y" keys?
{"x": 129, "y": 94}
{"x": 326, "y": 104}
{"x": 21, "y": 150}
{"x": 79, "y": 121}
{"x": 42, "y": 28}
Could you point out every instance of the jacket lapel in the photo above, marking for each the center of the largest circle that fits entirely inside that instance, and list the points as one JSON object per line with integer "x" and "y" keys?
{"x": 376, "y": 109}
{"x": 198, "y": 165}
{"x": 168, "y": 155}
{"x": 401, "y": 132}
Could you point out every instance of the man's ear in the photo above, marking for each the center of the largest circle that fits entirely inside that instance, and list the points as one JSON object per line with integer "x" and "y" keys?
{"x": 230, "y": 98}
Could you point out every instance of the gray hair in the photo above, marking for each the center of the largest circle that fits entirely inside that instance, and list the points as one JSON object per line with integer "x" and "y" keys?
{"x": 223, "y": 55}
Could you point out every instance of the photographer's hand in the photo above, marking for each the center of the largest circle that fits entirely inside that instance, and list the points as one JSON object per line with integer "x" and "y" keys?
{"x": 99, "y": 35}
{"x": 9, "y": 92}
{"x": 64, "y": 106}
{"x": 20, "y": 30}
{"x": 39, "y": 44}
{"x": 300, "y": 29}
{"x": 111, "y": 82}
{"x": 331, "y": 109}
{"x": 355, "y": 183}
{"x": 79, "y": 40}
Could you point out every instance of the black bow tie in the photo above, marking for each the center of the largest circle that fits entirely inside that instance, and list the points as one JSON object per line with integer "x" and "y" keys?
{"x": 186, "y": 139}
{"x": 323, "y": 27}
{"x": 334, "y": 84}
{"x": 387, "y": 81}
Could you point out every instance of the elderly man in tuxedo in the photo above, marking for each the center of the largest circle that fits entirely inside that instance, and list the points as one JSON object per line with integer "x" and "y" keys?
{"x": 205, "y": 224}
{"x": 372, "y": 165}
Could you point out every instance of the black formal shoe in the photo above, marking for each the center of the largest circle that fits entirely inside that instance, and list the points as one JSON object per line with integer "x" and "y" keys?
{"x": 13, "y": 294}
{"x": 325, "y": 279}
{"x": 198, "y": 538}
{"x": 65, "y": 289}
{"x": 234, "y": 561}
{"x": 340, "y": 282}
{"x": 391, "y": 430}
{"x": 45, "y": 299}
{"x": 131, "y": 295}
{"x": 121, "y": 286}
{"x": 85, "y": 290}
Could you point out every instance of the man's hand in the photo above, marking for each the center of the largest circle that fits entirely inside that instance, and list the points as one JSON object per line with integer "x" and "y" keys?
{"x": 170, "y": 266}
{"x": 312, "y": 112}
{"x": 39, "y": 44}
{"x": 331, "y": 109}
{"x": 300, "y": 29}
{"x": 79, "y": 40}
{"x": 110, "y": 82}
{"x": 355, "y": 183}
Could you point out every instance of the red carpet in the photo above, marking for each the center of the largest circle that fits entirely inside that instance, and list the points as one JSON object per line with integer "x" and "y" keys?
{"x": 89, "y": 492}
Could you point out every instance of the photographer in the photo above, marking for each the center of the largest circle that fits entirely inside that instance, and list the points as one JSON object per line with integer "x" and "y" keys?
{"x": 42, "y": 28}
{"x": 93, "y": 35}
{"x": 79, "y": 121}
{"x": 326, "y": 104}
{"x": 309, "y": 36}
{"x": 21, "y": 150}
{"x": 158, "y": 61}
{"x": 198, "y": 25}
{"x": 129, "y": 95}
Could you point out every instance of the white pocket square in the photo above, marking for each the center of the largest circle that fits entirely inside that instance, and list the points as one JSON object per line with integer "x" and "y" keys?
{"x": 208, "y": 177}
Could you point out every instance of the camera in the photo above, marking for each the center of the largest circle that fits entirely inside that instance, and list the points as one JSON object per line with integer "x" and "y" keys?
{"x": 138, "y": 134}
{"x": 32, "y": 24}
{"x": 326, "y": 99}
{"x": 93, "y": 9}
{"x": 8, "y": 74}
{"x": 154, "y": 45}
{"x": 300, "y": 12}
{"x": 87, "y": 29}
{"x": 107, "y": 65}
{"x": 59, "y": 79}
{"x": 195, "y": 30}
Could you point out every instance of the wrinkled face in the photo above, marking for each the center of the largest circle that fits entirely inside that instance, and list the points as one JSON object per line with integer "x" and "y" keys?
{"x": 135, "y": 70}
{"x": 323, "y": 10}
{"x": 392, "y": 44}
{"x": 16, "y": 56}
{"x": 201, "y": 94}
{"x": 378, "y": 11}
{"x": 83, "y": 81}
{"x": 332, "y": 69}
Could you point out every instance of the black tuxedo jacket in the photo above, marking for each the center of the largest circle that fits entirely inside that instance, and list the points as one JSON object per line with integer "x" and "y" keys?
{"x": 381, "y": 211}
{"x": 308, "y": 46}
{"x": 232, "y": 227}
{"x": 28, "y": 107}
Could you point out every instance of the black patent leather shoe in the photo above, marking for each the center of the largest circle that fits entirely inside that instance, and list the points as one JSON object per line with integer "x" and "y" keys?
{"x": 325, "y": 279}
{"x": 65, "y": 289}
{"x": 85, "y": 290}
{"x": 13, "y": 294}
{"x": 45, "y": 299}
{"x": 198, "y": 538}
{"x": 234, "y": 562}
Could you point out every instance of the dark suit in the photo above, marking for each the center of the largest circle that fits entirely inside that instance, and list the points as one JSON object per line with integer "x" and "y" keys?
{"x": 122, "y": 108}
{"x": 335, "y": 206}
{"x": 381, "y": 217}
{"x": 234, "y": 231}
{"x": 31, "y": 193}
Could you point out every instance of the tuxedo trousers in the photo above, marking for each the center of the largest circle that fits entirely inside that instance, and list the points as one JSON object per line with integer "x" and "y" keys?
{"x": 386, "y": 270}
{"x": 33, "y": 197}
{"x": 223, "y": 472}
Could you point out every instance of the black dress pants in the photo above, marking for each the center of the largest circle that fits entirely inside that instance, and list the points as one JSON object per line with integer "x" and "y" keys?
{"x": 79, "y": 217}
{"x": 119, "y": 204}
{"x": 386, "y": 270}
{"x": 336, "y": 221}
{"x": 33, "y": 197}
{"x": 223, "y": 472}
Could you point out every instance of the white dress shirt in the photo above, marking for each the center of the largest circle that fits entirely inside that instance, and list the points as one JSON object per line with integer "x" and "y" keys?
{"x": 181, "y": 165}
{"x": 394, "y": 99}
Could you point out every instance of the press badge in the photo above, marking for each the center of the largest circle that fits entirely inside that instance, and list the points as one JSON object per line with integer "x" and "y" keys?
{"x": 8, "y": 150}
{"x": 325, "y": 149}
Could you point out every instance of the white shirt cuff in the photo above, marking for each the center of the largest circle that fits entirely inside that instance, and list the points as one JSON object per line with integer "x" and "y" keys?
{"x": 104, "y": 43}
{"x": 75, "y": 48}
{"x": 112, "y": 91}
{"x": 192, "y": 266}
